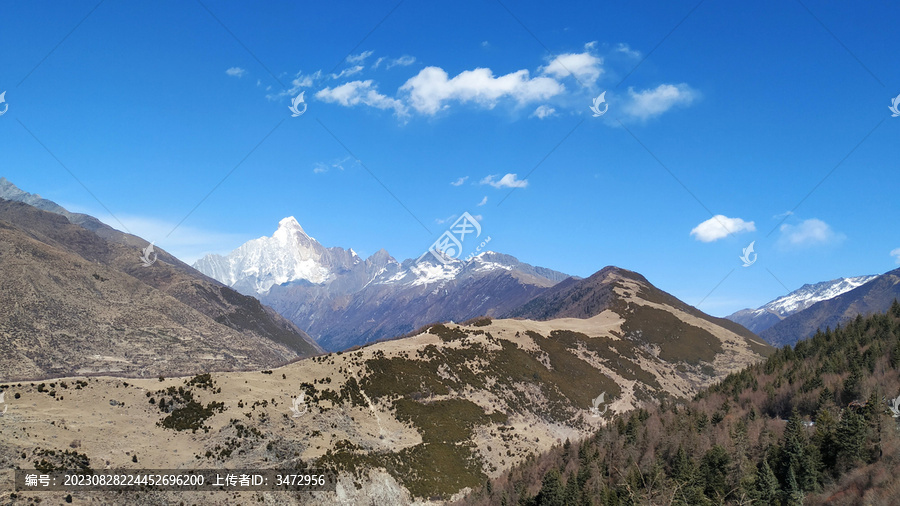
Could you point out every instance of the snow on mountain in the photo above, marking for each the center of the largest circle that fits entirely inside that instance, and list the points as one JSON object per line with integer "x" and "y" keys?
{"x": 343, "y": 300}
{"x": 773, "y": 312}
{"x": 807, "y": 295}
{"x": 290, "y": 255}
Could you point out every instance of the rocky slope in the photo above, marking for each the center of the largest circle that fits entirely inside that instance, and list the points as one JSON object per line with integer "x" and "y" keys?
{"x": 760, "y": 319}
{"x": 79, "y": 301}
{"x": 405, "y": 420}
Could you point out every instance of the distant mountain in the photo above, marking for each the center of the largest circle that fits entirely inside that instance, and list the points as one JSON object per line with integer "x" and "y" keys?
{"x": 76, "y": 299}
{"x": 872, "y": 297}
{"x": 343, "y": 300}
{"x": 288, "y": 256}
{"x": 760, "y": 319}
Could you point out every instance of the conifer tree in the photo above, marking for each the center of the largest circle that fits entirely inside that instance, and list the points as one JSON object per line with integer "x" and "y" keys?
{"x": 792, "y": 494}
{"x": 851, "y": 439}
{"x": 797, "y": 455}
{"x": 766, "y": 483}
{"x": 825, "y": 439}
{"x": 552, "y": 492}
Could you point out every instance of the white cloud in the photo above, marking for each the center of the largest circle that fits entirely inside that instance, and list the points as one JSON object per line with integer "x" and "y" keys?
{"x": 720, "y": 226}
{"x": 236, "y": 72}
{"x": 428, "y": 91}
{"x": 356, "y": 69}
{"x": 543, "y": 111}
{"x": 299, "y": 82}
{"x": 627, "y": 51}
{"x": 321, "y": 168}
{"x": 460, "y": 181}
{"x": 653, "y": 102}
{"x": 403, "y": 61}
{"x": 507, "y": 181}
{"x": 896, "y": 253}
{"x": 441, "y": 221}
{"x": 378, "y": 62}
{"x": 484, "y": 201}
{"x": 811, "y": 232}
{"x": 359, "y": 58}
{"x": 360, "y": 92}
{"x": 781, "y": 216}
{"x": 585, "y": 67}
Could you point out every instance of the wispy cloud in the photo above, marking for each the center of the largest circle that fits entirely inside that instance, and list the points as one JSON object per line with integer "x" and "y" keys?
{"x": 543, "y": 111}
{"x": 321, "y": 168}
{"x": 653, "y": 102}
{"x": 811, "y": 232}
{"x": 483, "y": 201}
{"x": 236, "y": 72}
{"x": 460, "y": 181}
{"x": 403, "y": 61}
{"x": 360, "y": 92}
{"x": 627, "y": 51}
{"x": 298, "y": 83}
{"x": 719, "y": 227}
{"x": 507, "y": 181}
{"x": 896, "y": 254}
{"x": 356, "y": 69}
{"x": 359, "y": 58}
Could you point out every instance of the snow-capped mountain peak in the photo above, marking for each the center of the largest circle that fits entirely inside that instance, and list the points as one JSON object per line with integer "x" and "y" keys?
{"x": 766, "y": 316}
{"x": 290, "y": 225}
{"x": 289, "y": 255}
{"x": 809, "y": 294}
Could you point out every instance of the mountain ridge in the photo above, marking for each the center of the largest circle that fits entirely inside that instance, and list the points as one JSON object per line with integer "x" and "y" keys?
{"x": 345, "y": 301}
{"x": 477, "y": 398}
{"x": 769, "y": 314}
{"x": 114, "y": 307}
{"x": 875, "y": 296}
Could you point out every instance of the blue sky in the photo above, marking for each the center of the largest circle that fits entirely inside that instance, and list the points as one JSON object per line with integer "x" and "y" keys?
{"x": 767, "y": 120}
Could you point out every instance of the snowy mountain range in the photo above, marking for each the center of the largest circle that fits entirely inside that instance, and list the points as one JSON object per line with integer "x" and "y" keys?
{"x": 762, "y": 318}
{"x": 874, "y": 296}
{"x": 288, "y": 256}
{"x": 344, "y": 300}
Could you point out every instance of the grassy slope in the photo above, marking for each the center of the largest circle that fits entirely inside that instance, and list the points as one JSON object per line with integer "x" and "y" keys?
{"x": 719, "y": 448}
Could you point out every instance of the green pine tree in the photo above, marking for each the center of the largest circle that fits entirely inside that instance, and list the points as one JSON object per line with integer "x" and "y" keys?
{"x": 766, "y": 484}
{"x": 825, "y": 439}
{"x": 798, "y": 456}
{"x": 851, "y": 439}
{"x": 572, "y": 494}
{"x": 791, "y": 493}
{"x": 713, "y": 471}
{"x": 552, "y": 492}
